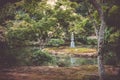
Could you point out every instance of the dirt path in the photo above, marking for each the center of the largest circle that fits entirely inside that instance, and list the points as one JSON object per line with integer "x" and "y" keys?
{"x": 51, "y": 73}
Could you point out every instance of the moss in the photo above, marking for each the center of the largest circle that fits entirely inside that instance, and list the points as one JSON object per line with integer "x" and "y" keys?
{"x": 71, "y": 50}
{"x": 91, "y": 68}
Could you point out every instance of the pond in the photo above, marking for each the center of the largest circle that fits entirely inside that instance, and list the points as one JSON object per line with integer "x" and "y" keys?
{"x": 21, "y": 56}
{"x": 70, "y": 60}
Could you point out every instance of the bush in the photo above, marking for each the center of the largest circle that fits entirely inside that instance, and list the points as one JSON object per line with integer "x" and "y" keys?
{"x": 15, "y": 56}
{"x": 91, "y": 41}
{"x": 41, "y": 58}
{"x": 82, "y": 40}
{"x": 64, "y": 62}
{"x": 7, "y": 59}
{"x": 56, "y": 42}
{"x": 87, "y": 40}
{"x": 110, "y": 59}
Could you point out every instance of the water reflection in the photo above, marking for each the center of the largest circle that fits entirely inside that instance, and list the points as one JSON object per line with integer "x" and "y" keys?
{"x": 70, "y": 60}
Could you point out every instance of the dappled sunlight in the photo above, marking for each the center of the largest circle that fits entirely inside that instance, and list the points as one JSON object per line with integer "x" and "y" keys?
{"x": 59, "y": 39}
{"x": 72, "y": 51}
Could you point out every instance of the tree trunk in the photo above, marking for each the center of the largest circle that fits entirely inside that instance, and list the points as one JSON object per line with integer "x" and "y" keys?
{"x": 100, "y": 49}
{"x": 101, "y": 68}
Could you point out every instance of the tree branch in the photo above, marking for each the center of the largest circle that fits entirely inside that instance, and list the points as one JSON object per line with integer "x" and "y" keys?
{"x": 97, "y": 6}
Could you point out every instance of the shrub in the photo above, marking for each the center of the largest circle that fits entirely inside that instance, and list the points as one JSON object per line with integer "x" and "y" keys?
{"x": 64, "y": 62}
{"x": 110, "y": 59}
{"x": 87, "y": 40}
{"x": 82, "y": 40}
{"x": 92, "y": 41}
{"x": 41, "y": 58}
{"x": 56, "y": 42}
{"x": 15, "y": 56}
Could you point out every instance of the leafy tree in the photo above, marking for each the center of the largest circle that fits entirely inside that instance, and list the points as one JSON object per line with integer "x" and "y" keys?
{"x": 100, "y": 34}
{"x": 45, "y": 21}
{"x": 105, "y": 17}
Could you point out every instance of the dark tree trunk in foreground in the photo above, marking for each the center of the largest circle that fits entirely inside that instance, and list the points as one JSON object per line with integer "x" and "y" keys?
{"x": 101, "y": 32}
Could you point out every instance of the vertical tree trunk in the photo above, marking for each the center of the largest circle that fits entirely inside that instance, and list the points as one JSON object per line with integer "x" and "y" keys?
{"x": 100, "y": 49}
{"x": 101, "y": 68}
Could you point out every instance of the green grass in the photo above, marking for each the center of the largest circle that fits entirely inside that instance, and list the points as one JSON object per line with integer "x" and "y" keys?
{"x": 71, "y": 50}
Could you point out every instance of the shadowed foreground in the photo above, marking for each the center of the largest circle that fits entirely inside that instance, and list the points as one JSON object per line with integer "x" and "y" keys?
{"x": 54, "y": 73}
